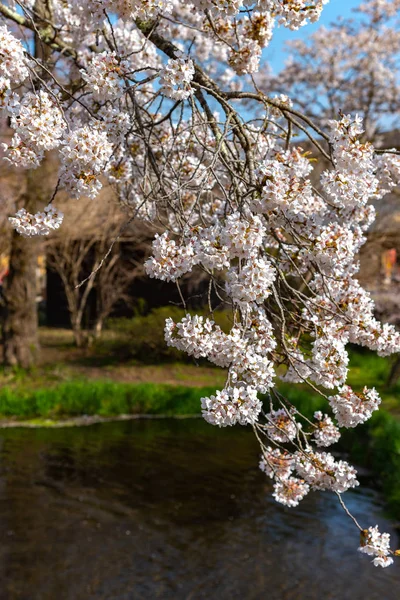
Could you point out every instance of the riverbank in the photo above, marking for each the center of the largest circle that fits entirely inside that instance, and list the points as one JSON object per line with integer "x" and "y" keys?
{"x": 375, "y": 445}
{"x": 73, "y": 387}
{"x": 56, "y": 395}
{"x": 85, "y": 421}
{"x": 102, "y": 380}
{"x": 101, "y": 398}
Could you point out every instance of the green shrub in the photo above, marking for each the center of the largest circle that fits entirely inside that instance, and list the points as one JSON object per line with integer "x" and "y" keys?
{"x": 142, "y": 337}
{"x": 383, "y": 444}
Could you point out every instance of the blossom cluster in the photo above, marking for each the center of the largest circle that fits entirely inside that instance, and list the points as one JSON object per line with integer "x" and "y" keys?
{"x": 353, "y": 181}
{"x": 176, "y": 77}
{"x": 376, "y": 544}
{"x": 214, "y": 247}
{"x": 290, "y": 490}
{"x": 39, "y": 125}
{"x": 296, "y": 474}
{"x": 252, "y": 283}
{"x": 323, "y": 472}
{"x": 246, "y": 59}
{"x": 231, "y": 406}
{"x": 104, "y": 74}
{"x": 13, "y": 63}
{"x": 133, "y": 9}
{"x": 85, "y": 153}
{"x": 351, "y": 409}
{"x": 169, "y": 260}
{"x": 281, "y": 426}
{"x": 276, "y": 463}
{"x": 295, "y": 13}
{"x": 326, "y": 433}
{"x": 41, "y": 223}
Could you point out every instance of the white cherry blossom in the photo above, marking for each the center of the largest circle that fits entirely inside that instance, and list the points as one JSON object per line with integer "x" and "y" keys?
{"x": 231, "y": 406}
{"x": 41, "y": 223}
{"x": 276, "y": 463}
{"x": 351, "y": 408}
{"x": 326, "y": 432}
{"x": 376, "y": 544}
{"x": 290, "y": 491}
{"x": 175, "y": 78}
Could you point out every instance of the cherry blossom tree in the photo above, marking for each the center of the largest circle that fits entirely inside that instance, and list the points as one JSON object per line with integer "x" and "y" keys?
{"x": 158, "y": 99}
{"x": 353, "y": 66}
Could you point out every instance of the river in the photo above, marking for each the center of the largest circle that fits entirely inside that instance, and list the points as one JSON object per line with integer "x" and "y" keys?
{"x": 171, "y": 509}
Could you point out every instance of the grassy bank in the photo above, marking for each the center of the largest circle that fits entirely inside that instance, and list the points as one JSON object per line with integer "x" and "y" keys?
{"x": 378, "y": 447}
{"x": 103, "y": 398}
{"x": 74, "y": 387}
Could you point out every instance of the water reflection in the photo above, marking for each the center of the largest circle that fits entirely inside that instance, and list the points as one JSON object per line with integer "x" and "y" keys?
{"x": 170, "y": 509}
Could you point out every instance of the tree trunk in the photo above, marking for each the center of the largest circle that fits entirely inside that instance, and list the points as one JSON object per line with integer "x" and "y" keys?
{"x": 20, "y": 326}
{"x": 394, "y": 375}
{"x": 20, "y": 330}
{"x": 79, "y": 336}
{"x": 97, "y": 328}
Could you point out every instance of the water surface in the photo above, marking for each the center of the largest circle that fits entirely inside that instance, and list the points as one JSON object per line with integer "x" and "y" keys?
{"x": 173, "y": 510}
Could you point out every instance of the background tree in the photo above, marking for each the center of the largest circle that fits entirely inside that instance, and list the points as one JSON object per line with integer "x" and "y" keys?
{"x": 92, "y": 263}
{"x": 114, "y": 281}
{"x": 351, "y": 66}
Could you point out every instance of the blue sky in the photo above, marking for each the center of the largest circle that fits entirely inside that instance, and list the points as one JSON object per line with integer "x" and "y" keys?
{"x": 275, "y": 55}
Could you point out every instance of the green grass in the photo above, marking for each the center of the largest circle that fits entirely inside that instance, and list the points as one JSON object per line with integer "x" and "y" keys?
{"x": 97, "y": 397}
{"x": 53, "y": 392}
